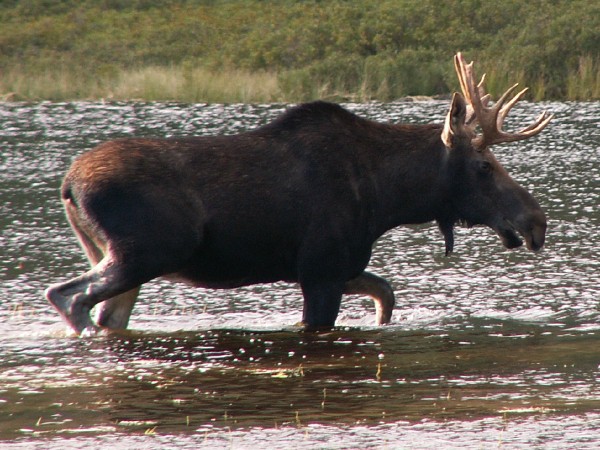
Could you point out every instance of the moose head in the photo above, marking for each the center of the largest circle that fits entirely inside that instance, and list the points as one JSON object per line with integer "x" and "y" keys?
{"x": 483, "y": 192}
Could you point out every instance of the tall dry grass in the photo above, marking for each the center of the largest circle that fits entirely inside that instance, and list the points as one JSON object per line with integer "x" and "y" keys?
{"x": 175, "y": 83}
{"x": 187, "y": 83}
{"x": 583, "y": 83}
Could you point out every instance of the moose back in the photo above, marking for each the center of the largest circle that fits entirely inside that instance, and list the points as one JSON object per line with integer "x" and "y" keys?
{"x": 302, "y": 199}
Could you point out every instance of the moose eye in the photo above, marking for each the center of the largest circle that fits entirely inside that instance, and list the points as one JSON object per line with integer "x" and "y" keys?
{"x": 485, "y": 167}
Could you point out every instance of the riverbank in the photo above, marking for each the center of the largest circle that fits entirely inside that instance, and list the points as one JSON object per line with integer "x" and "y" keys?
{"x": 287, "y": 51}
{"x": 181, "y": 84}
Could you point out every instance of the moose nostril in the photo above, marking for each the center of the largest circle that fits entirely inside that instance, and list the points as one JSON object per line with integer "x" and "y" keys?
{"x": 538, "y": 237}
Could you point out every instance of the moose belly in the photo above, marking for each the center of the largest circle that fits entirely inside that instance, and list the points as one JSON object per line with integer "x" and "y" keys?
{"x": 225, "y": 271}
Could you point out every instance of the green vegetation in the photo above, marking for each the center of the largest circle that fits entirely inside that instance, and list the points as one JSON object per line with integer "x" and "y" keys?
{"x": 293, "y": 50}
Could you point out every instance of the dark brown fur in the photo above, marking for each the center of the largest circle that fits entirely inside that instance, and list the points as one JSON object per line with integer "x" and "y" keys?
{"x": 302, "y": 199}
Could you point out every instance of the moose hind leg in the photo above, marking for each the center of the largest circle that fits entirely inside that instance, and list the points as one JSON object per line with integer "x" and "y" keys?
{"x": 113, "y": 312}
{"x": 75, "y": 298}
{"x": 378, "y": 289}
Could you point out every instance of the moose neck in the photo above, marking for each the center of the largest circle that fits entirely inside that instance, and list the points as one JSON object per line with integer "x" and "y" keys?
{"x": 413, "y": 177}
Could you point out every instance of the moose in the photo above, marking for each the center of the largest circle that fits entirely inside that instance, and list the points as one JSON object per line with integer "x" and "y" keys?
{"x": 301, "y": 199}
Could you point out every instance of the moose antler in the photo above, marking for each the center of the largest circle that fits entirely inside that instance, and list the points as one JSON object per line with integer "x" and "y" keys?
{"x": 491, "y": 118}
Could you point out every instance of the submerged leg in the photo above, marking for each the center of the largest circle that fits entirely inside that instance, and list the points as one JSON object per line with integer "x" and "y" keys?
{"x": 321, "y": 305}
{"x": 115, "y": 312}
{"x": 75, "y": 298}
{"x": 379, "y": 289}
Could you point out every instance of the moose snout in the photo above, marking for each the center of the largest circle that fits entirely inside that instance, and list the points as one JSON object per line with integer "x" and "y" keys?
{"x": 534, "y": 230}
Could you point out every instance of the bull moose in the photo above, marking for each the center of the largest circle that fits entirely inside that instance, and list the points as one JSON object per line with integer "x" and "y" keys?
{"x": 301, "y": 199}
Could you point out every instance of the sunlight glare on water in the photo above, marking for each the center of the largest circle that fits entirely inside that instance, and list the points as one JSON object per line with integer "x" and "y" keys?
{"x": 487, "y": 348}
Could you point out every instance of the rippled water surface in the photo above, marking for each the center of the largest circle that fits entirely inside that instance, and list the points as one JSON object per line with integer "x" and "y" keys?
{"x": 488, "y": 348}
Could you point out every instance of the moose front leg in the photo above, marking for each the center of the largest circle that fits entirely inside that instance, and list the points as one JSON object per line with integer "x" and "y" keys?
{"x": 115, "y": 312}
{"x": 321, "y": 304}
{"x": 378, "y": 289}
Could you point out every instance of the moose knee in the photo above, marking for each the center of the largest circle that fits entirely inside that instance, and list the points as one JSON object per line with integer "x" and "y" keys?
{"x": 379, "y": 290}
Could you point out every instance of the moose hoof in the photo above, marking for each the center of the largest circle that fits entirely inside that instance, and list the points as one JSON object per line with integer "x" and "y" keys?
{"x": 71, "y": 309}
{"x": 89, "y": 331}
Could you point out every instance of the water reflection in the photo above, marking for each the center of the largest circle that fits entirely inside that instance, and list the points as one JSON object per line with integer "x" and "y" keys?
{"x": 487, "y": 347}
{"x": 186, "y": 383}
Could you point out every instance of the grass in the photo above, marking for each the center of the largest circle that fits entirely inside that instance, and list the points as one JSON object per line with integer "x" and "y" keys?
{"x": 583, "y": 83}
{"x": 187, "y": 83}
{"x": 289, "y": 50}
{"x": 173, "y": 83}
{"x": 181, "y": 83}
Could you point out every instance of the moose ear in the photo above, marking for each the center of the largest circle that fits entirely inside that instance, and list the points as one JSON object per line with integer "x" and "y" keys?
{"x": 454, "y": 126}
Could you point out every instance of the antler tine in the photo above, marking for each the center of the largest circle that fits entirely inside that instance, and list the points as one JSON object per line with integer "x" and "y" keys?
{"x": 529, "y": 131}
{"x": 465, "y": 72}
{"x": 485, "y": 97}
{"x": 504, "y": 96}
{"x": 472, "y": 95}
{"x": 543, "y": 119}
{"x": 460, "y": 74}
{"x": 491, "y": 118}
{"x": 506, "y": 108}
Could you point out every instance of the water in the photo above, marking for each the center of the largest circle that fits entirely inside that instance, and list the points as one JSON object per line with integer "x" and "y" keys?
{"x": 489, "y": 348}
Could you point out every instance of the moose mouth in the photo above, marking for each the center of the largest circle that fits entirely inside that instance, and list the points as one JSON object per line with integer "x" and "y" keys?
{"x": 509, "y": 237}
{"x": 534, "y": 233}
{"x": 534, "y": 236}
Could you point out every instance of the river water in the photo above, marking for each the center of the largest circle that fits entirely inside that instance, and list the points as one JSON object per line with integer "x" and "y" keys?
{"x": 488, "y": 348}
